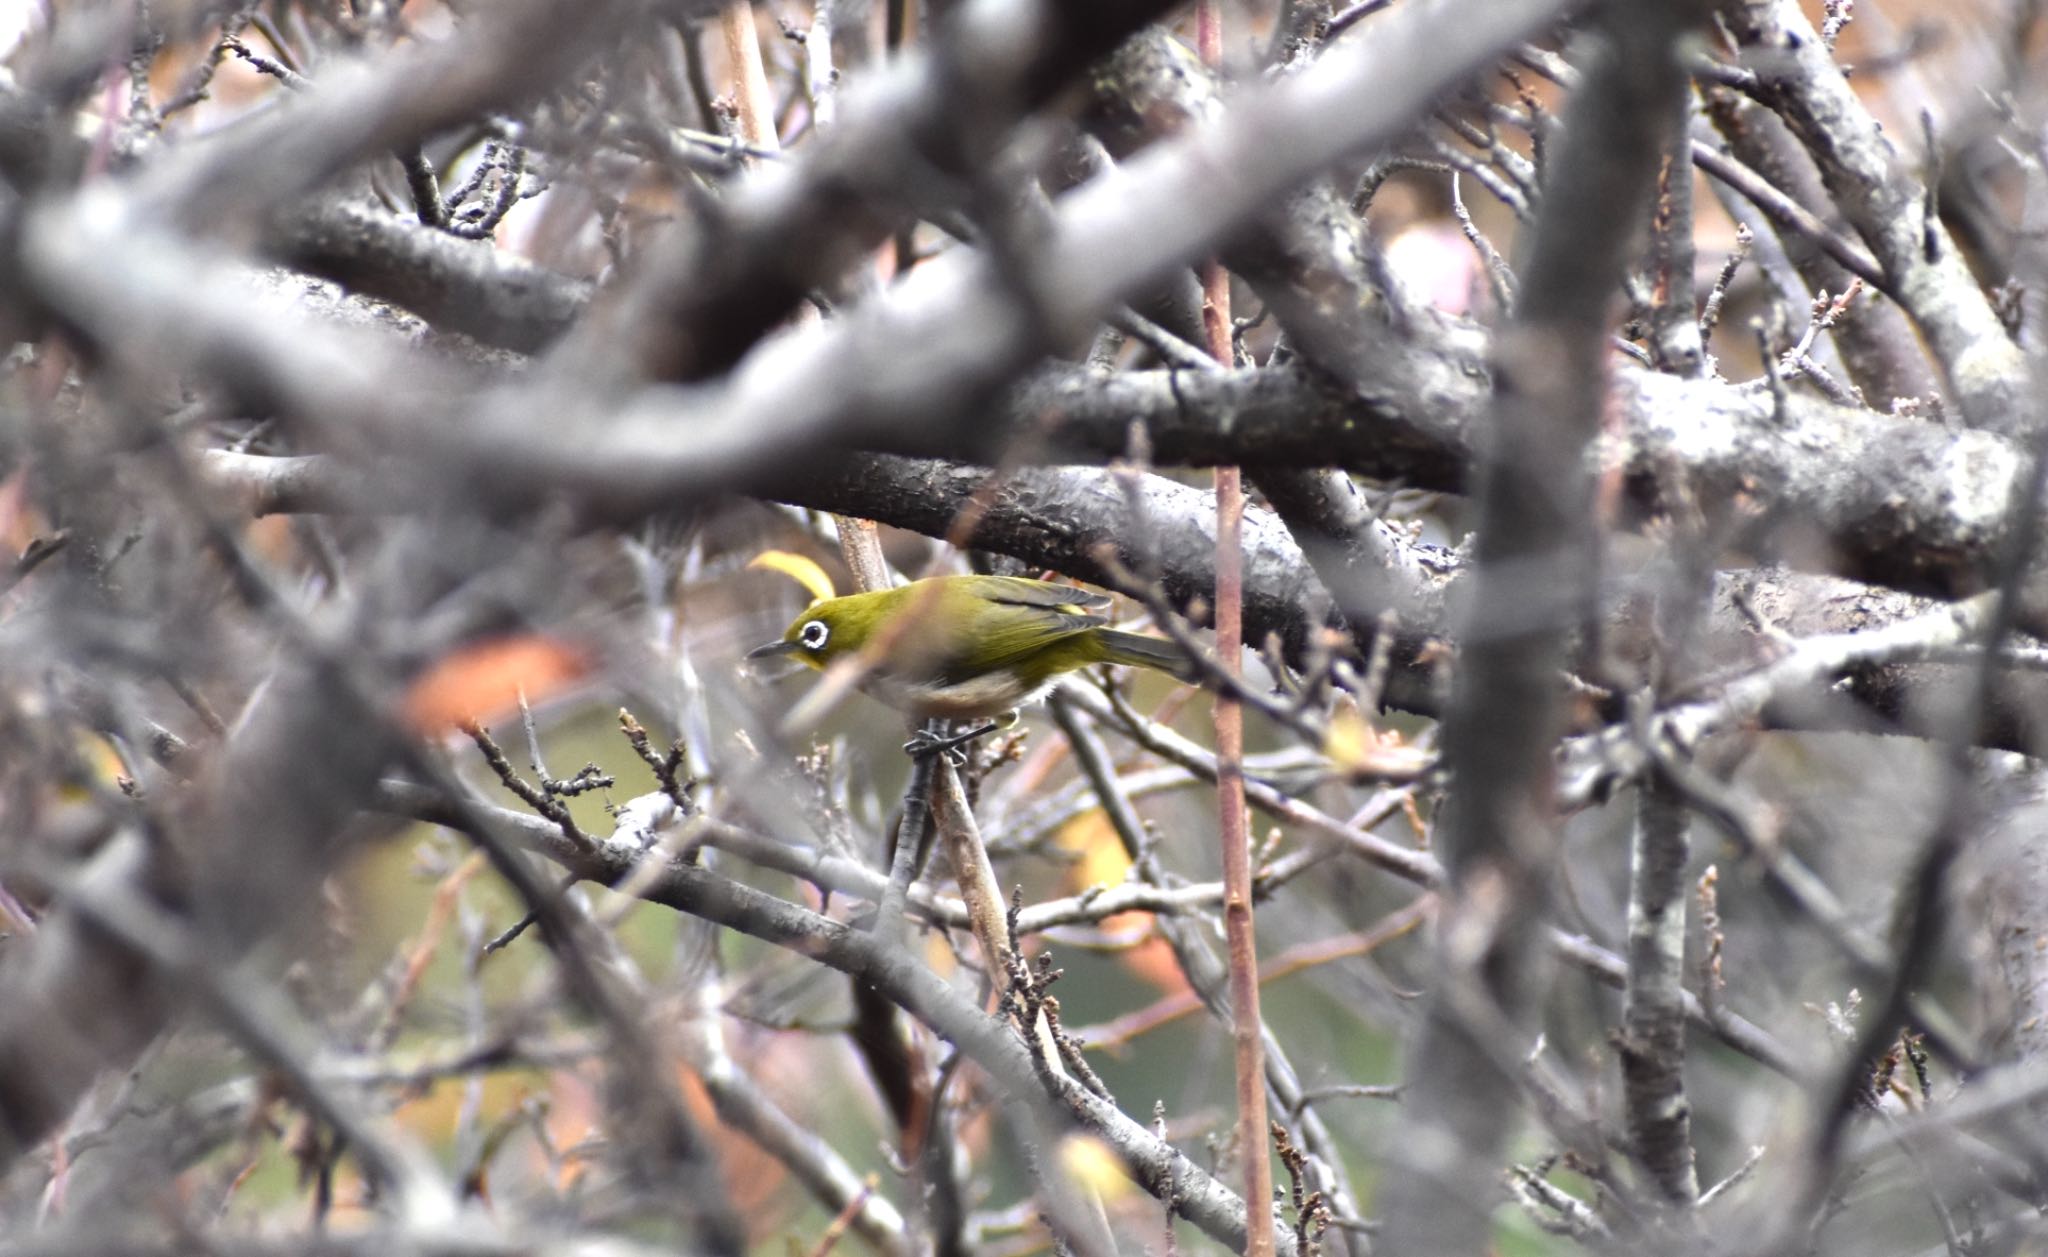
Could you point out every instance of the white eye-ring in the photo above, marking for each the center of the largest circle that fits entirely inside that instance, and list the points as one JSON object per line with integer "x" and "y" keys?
{"x": 813, "y": 635}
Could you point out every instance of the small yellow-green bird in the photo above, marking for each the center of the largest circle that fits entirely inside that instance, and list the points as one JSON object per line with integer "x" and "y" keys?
{"x": 967, "y": 647}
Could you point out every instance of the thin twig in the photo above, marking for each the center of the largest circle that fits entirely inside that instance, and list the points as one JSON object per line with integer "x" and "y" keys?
{"x": 1498, "y": 276}
{"x": 1349, "y": 16}
{"x": 1710, "y": 315}
{"x": 1789, "y": 214}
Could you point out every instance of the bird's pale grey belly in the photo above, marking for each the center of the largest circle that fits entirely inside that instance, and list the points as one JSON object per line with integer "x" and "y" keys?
{"x": 986, "y": 695}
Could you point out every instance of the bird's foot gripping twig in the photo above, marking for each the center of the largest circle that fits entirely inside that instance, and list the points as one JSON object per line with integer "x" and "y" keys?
{"x": 929, "y": 742}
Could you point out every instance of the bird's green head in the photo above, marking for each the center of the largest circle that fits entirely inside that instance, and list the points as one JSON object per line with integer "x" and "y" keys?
{"x": 825, "y": 631}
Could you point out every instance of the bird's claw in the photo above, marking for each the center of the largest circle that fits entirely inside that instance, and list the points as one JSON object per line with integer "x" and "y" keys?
{"x": 952, "y": 747}
{"x": 928, "y": 744}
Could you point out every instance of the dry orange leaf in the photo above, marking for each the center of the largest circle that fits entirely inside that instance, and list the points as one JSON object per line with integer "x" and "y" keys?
{"x": 756, "y": 1180}
{"x": 20, "y": 523}
{"x": 571, "y": 1121}
{"x": 483, "y": 681}
{"x": 1103, "y": 862}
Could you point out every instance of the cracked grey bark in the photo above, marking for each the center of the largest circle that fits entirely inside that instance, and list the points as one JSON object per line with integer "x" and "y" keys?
{"x": 1894, "y": 501}
{"x": 1313, "y": 264}
{"x": 1876, "y": 342}
{"x": 1652, "y": 1042}
{"x": 2014, "y": 867}
{"x": 1674, "y": 323}
{"x": 1534, "y": 581}
{"x": 463, "y": 286}
{"x": 1869, "y": 182}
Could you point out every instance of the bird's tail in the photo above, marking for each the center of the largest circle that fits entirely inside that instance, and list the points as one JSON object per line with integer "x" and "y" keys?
{"x": 1137, "y": 651}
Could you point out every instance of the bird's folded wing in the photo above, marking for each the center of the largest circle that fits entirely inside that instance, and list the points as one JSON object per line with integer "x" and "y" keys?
{"x": 1018, "y": 591}
{"x": 1007, "y": 634}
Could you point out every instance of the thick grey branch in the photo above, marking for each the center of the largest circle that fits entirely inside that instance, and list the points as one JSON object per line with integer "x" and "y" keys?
{"x": 1925, "y": 270}
{"x": 1535, "y": 581}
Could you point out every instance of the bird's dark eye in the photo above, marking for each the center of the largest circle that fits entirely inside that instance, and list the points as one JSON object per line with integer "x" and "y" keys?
{"x": 813, "y": 635}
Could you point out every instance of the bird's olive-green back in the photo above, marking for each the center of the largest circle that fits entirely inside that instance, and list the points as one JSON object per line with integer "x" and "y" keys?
{"x": 956, "y": 627}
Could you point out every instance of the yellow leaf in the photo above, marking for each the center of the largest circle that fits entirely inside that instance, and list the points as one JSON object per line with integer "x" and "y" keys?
{"x": 101, "y": 765}
{"x": 1354, "y": 747}
{"x": 1089, "y": 1162}
{"x": 1102, "y": 860}
{"x": 803, "y": 571}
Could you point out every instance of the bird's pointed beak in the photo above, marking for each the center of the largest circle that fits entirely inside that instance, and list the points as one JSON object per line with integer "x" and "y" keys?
{"x": 771, "y": 650}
